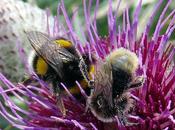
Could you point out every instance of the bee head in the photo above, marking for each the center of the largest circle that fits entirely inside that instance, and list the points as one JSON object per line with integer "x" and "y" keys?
{"x": 107, "y": 112}
{"x": 101, "y": 108}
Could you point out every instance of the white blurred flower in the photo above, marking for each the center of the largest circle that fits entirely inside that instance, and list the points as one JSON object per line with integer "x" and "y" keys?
{"x": 17, "y": 18}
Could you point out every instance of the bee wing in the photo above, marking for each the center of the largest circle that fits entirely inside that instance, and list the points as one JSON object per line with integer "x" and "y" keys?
{"x": 103, "y": 81}
{"x": 52, "y": 53}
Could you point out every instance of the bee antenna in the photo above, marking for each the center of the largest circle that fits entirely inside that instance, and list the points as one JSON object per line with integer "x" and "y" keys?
{"x": 83, "y": 69}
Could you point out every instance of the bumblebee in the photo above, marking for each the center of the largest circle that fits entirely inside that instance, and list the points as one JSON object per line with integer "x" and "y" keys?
{"x": 114, "y": 76}
{"x": 58, "y": 61}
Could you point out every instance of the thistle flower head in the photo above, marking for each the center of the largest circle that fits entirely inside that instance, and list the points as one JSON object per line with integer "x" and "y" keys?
{"x": 155, "y": 101}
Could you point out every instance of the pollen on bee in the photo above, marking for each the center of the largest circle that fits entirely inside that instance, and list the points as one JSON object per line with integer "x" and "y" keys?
{"x": 63, "y": 43}
{"x": 41, "y": 66}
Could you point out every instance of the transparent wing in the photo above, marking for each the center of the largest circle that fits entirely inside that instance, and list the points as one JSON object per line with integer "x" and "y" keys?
{"x": 52, "y": 53}
{"x": 103, "y": 81}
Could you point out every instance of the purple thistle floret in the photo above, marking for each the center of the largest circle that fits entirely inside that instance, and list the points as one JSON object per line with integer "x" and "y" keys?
{"x": 155, "y": 101}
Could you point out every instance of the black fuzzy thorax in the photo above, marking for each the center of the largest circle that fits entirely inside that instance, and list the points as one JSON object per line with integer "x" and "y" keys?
{"x": 72, "y": 73}
{"x": 121, "y": 79}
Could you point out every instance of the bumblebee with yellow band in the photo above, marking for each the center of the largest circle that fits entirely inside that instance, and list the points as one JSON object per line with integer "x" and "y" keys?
{"x": 58, "y": 61}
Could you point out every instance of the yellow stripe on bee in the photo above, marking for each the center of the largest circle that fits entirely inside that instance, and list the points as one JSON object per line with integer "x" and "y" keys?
{"x": 41, "y": 66}
{"x": 83, "y": 83}
{"x": 75, "y": 89}
{"x": 92, "y": 69}
{"x": 63, "y": 43}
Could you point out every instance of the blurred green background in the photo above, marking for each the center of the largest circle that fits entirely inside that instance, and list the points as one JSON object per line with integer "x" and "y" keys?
{"x": 148, "y": 6}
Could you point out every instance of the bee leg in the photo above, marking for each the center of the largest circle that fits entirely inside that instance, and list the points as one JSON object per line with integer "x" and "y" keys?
{"x": 59, "y": 100}
{"x": 84, "y": 71}
{"x": 28, "y": 81}
{"x": 122, "y": 106}
{"x": 137, "y": 83}
{"x": 60, "y": 104}
{"x": 131, "y": 124}
{"x": 124, "y": 120}
{"x": 87, "y": 105}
